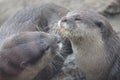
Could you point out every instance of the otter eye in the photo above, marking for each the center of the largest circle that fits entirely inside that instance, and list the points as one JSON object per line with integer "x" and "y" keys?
{"x": 64, "y": 20}
{"x": 77, "y": 19}
{"x": 99, "y": 24}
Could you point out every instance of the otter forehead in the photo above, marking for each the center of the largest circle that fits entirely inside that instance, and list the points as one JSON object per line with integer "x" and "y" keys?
{"x": 89, "y": 16}
{"x": 85, "y": 13}
{"x": 25, "y": 37}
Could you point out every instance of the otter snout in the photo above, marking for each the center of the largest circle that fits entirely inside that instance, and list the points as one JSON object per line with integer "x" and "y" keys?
{"x": 66, "y": 22}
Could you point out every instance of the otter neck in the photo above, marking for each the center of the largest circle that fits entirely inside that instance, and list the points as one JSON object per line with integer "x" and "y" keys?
{"x": 91, "y": 57}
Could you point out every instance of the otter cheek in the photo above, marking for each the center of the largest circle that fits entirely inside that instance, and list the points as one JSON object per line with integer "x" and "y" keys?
{"x": 81, "y": 26}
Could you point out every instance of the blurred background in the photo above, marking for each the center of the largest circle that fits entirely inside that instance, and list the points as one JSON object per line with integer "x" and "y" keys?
{"x": 110, "y": 8}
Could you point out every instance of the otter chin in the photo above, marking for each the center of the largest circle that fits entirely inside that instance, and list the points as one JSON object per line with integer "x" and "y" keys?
{"x": 94, "y": 42}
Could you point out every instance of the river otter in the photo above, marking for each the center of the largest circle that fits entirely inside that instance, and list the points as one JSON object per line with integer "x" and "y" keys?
{"x": 24, "y": 49}
{"x": 40, "y": 16}
{"x": 94, "y": 42}
{"x": 30, "y": 19}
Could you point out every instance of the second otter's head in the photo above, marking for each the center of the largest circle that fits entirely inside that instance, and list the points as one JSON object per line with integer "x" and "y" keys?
{"x": 84, "y": 24}
{"x": 27, "y": 49}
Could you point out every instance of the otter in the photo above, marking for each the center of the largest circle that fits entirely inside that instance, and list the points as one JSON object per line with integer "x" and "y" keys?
{"x": 38, "y": 17}
{"x": 31, "y": 19}
{"x": 25, "y": 49}
{"x": 94, "y": 42}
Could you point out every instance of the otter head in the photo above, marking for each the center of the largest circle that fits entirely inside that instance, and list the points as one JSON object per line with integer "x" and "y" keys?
{"x": 84, "y": 24}
{"x": 35, "y": 49}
